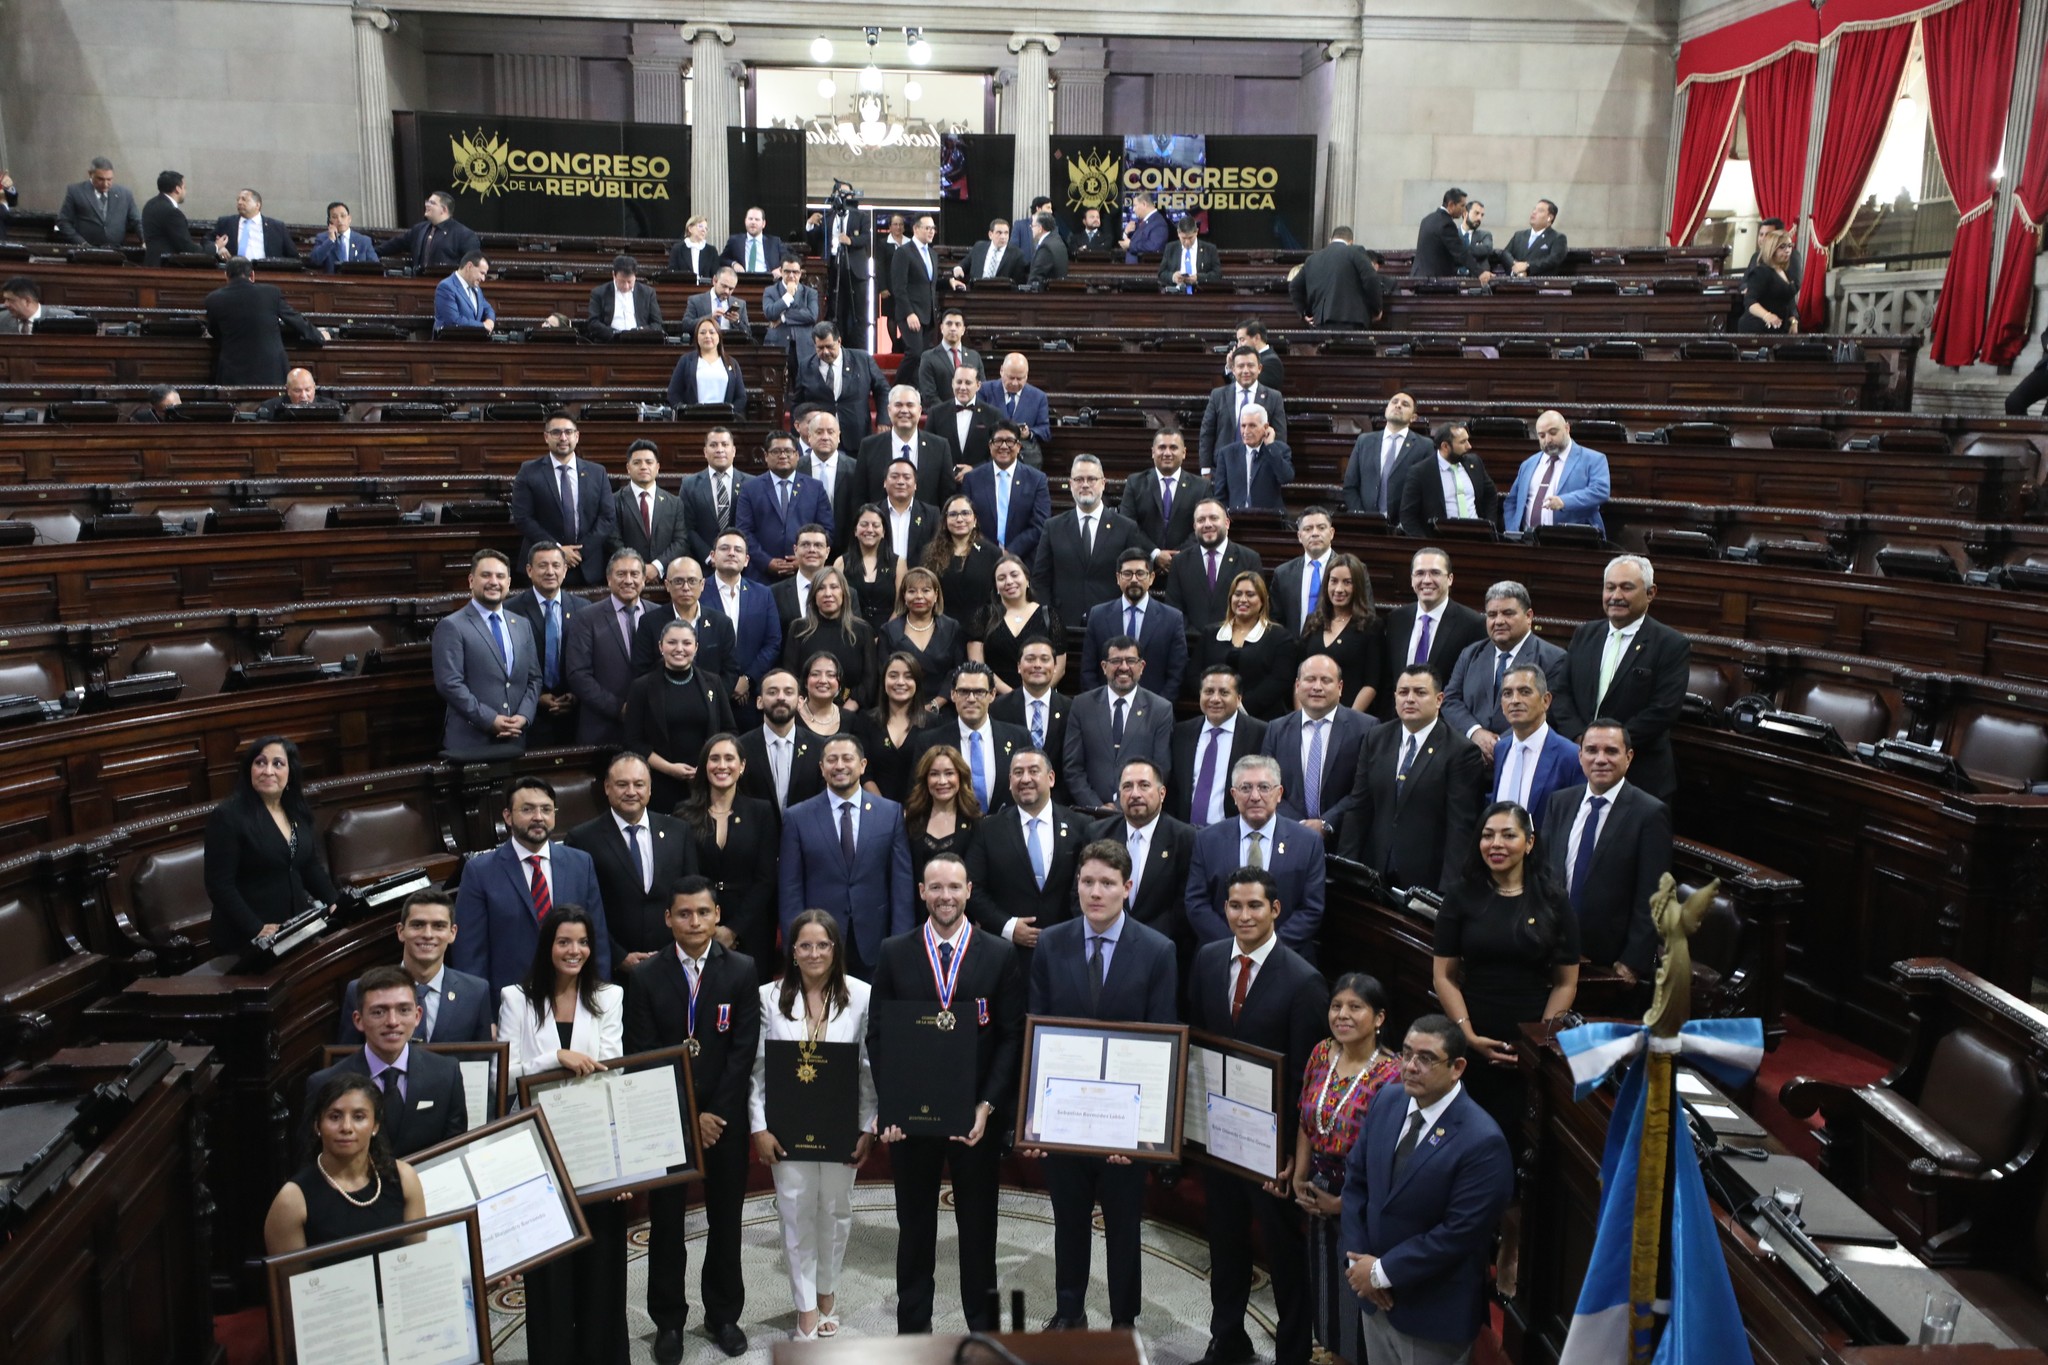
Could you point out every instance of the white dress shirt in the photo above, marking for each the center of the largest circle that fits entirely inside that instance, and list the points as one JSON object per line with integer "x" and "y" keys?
{"x": 250, "y": 240}
{"x": 899, "y": 530}
{"x": 781, "y": 760}
{"x": 729, "y": 597}
{"x": 1515, "y": 760}
{"x": 1429, "y": 1120}
{"x": 622, "y": 310}
{"x": 641, "y": 843}
{"x": 1435, "y": 616}
{"x": 1258, "y": 955}
{"x": 1571, "y": 850}
{"x": 1138, "y": 839}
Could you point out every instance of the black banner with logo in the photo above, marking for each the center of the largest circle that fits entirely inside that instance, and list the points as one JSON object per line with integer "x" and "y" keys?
{"x": 559, "y": 176}
{"x": 1245, "y": 191}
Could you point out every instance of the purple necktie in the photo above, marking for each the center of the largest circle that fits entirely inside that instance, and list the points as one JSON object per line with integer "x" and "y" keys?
{"x": 1166, "y": 498}
{"x": 1212, "y": 571}
{"x": 1422, "y": 645}
{"x": 1205, "y": 781}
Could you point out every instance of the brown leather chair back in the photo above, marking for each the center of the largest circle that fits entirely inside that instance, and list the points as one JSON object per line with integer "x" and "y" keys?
{"x": 2000, "y": 750}
{"x": 1859, "y": 715}
{"x": 1979, "y": 1092}
{"x": 579, "y": 796}
{"x": 167, "y": 893}
{"x": 27, "y": 941}
{"x": 31, "y": 678}
{"x": 202, "y": 663}
{"x": 329, "y": 644}
{"x": 380, "y": 837}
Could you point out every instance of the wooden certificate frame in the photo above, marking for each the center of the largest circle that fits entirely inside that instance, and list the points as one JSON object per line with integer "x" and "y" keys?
{"x": 674, "y": 1059}
{"x": 551, "y": 1156}
{"x": 499, "y": 1055}
{"x": 278, "y": 1272}
{"x": 1196, "y": 1148}
{"x": 1043, "y": 1033}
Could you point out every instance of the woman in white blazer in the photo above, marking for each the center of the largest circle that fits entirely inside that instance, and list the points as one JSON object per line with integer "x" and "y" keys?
{"x": 815, "y": 1001}
{"x": 561, "y": 1017}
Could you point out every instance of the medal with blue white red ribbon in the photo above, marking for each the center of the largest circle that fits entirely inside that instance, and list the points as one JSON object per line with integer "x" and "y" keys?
{"x": 946, "y": 982}
{"x": 690, "y": 1044}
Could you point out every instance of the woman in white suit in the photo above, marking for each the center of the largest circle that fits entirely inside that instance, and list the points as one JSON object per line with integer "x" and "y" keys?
{"x": 561, "y": 1017}
{"x": 815, "y": 1001}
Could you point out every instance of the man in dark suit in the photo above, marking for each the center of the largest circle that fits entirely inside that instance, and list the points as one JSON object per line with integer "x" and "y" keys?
{"x": 844, "y": 851}
{"x": 951, "y": 353}
{"x": 964, "y": 422}
{"x": 987, "y": 744}
{"x": 781, "y": 756}
{"x": 791, "y": 307}
{"x": 1105, "y": 965}
{"x": 547, "y": 611}
{"x": 1298, "y": 584}
{"x": 843, "y": 380}
{"x": 1424, "y": 1190}
{"x": 835, "y": 468}
{"x": 1538, "y": 249}
{"x": 454, "y": 1006}
{"x": 722, "y": 303}
{"x": 566, "y": 499}
{"x": 96, "y": 211}
{"x": 904, "y": 440}
{"x": 1227, "y": 401}
{"x": 1022, "y": 860}
{"x": 505, "y": 893}
{"x": 639, "y": 855}
{"x": 1158, "y": 627}
{"x": 1609, "y": 843}
{"x": 1162, "y": 500}
{"x": 1198, "y": 583}
{"x": 1418, "y": 791}
{"x": 1289, "y": 852}
{"x": 792, "y": 595}
{"x": 1478, "y": 240}
{"x": 486, "y": 666}
{"x": 1254, "y": 470}
{"x": 1110, "y": 726}
{"x": 1250, "y": 986}
{"x": 1431, "y": 630}
{"x": 248, "y": 322}
{"x": 1162, "y": 849}
{"x": 1324, "y": 727}
{"x": 1035, "y": 706}
{"x": 910, "y": 523}
{"x": 1047, "y": 262}
{"x": 1081, "y": 552}
{"x": 913, "y": 287}
{"x": 1337, "y": 287}
{"x": 624, "y": 304}
{"x": 1012, "y": 501}
{"x": 711, "y": 494}
{"x": 755, "y": 251}
{"x": 436, "y": 243}
{"x": 749, "y": 609}
{"x": 1206, "y": 749}
{"x": 1377, "y": 471}
{"x": 1472, "y": 700}
{"x": 1191, "y": 262}
{"x": 987, "y": 994}
{"x": 1021, "y": 401}
{"x": 717, "y": 644}
{"x": 10, "y": 196}
{"x": 1146, "y": 239}
{"x": 646, "y": 517}
{"x": 1454, "y": 484}
{"x": 248, "y": 234}
{"x": 994, "y": 258}
{"x": 1533, "y": 759}
{"x": 423, "y": 1096}
{"x": 698, "y": 995}
{"x": 1091, "y": 238}
{"x": 166, "y": 231}
{"x": 1632, "y": 669}
{"x": 1272, "y": 367}
{"x": 1440, "y": 247}
{"x": 339, "y": 245}
{"x": 597, "y": 652}
{"x": 773, "y": 508}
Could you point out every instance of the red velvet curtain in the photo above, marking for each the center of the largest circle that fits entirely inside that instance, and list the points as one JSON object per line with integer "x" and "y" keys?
{"x": 1778, "y": 105}
{"x": 1709, "y": 123}
{"x": 1868, "y": 64}
{"x": 1969, "y": 51}
{"x": 2012, "y": 300}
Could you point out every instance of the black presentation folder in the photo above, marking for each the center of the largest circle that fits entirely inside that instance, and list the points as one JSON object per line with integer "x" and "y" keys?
{"x": 813, "y": 1098}
{"x": 924, "y": 1074}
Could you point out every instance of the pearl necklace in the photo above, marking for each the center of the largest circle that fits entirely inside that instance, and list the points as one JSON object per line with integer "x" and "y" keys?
{"x": 376, "y": 1191}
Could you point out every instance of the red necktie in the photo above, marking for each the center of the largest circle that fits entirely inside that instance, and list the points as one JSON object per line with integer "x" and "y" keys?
{"x": 544, "y": 902}
{"x": 954, "y": 351}
{"x": 647, "y": 515}
{"x": 1244, "y": 984}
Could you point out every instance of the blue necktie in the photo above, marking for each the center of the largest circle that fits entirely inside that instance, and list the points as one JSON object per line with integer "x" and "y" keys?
{"x": 1315, "y": 591}
{"x": 1312, "y": 771}
{"x": 498, "y": 639}
{"x": 977, "y": 768}
{"x": 1583, "y": 864}
{"x": 1131, "y": 622}
{"x": 1038, "y": 723}
{"x": 551, "y": 633}
{"x": 782, "y": 492}
{"x": 1037, "y": 856}
{"x": 1003, "y": 508}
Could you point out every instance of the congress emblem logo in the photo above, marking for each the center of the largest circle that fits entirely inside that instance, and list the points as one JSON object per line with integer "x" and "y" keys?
{"x": 1092, "y": 181}
{"x": 482, "y": 165}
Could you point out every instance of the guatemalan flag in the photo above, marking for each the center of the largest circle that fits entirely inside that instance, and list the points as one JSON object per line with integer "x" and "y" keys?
{"x": 1704, "y": 1326}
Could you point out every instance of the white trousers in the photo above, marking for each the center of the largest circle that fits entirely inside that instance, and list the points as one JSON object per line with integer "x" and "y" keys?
{"x": 815, "y": 1201}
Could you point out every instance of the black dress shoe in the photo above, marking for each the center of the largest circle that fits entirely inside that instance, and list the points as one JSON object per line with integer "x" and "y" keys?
{"x": 1056, "y": 1323}
{"x": 1123, "y": 1325}
{"x": 1237, "y": 1352}
{"x": 730, "y": 1339}
{"x": 668, "y": 1346}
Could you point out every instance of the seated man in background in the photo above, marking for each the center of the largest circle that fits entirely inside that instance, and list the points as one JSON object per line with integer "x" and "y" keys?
{"x": 624, "y": 304}
{"x": 720, "y": 303}
{"x": 1538, "y": 249}
{"x": 459, "y": 299}
{"x": 993, "y": 259}
{"x": 22, "y": 298}
{"x": 1192, "y": 262}
{"x": 162, "y": 399}
{"x": 341, "y": 243}
{"x": 299, "y": 391}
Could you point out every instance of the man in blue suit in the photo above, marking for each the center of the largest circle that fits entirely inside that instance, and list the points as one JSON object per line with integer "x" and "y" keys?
{"x": 1018, "y": 399}
{"x": 1322, "y": 727}
{"x": 844, "y": 851}
{"x": 1254, "y": 470}
{"x": 756, "y": 625}
{"x": 1260, "y": 837}
{"x": 1532, "y": 760}
{"x": 459, "y": 299}
{"x": 505, "y": 893}
{"x": 1159, "y": 628}
{"x": 454, "y": 1006}
{"x": 1562, "y": 484}
{"x": 486, "y": 666}
{"x": 1104, "y": 965}
{"x": 564, "y": 498}
{"x": 1424, "y": 1190}
{"x": 1012, "y": 501}
{"x": 1472, "y": 700}
{"x": 770, "y": 511}
{"x": 1148, "y": 234}
{"x": 341, "y": 243}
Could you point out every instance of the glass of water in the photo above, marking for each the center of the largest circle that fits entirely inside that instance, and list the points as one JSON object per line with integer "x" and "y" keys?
{"x": 1789, "y": 1198}
{"x": 1938, "y": 1318}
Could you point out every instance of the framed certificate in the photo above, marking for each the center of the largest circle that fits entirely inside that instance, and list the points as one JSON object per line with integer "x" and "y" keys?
{"x": 812, "y": 1097}
{"x": 631, "y": 1126}
{"x": 1232, "y": 1117}
{"x": 410, "y": 1295}
{"x": 485, "y": 1078}
{"x": 511, "y": 1173}
{"x": 1102, "y": 1088}
{"x": 924, "y": 1070}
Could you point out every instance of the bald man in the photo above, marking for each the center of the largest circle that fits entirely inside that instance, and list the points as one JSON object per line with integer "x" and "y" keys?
{"x": 1562, "y": 484}
{"x": 1020, "y": 401}
{"x": 300, "y": 391}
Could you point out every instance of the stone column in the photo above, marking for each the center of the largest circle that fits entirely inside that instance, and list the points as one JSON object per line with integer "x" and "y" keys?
{"x": 1340, "y": 193}
{"x": 379, "y": 202}
{"x": 1033, "y": 122}
{"x": 657, "y": 58}
{"x": 715, "y": 106}
{"x": 1077, "y": 101}
{"x": 538, "y": 85}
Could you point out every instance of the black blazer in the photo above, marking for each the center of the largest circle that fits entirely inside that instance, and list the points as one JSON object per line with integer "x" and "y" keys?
{"x": 671, "y": 538}
{"x": 1546, "y": 259}
{"x": 910, "y": 289}
{"x": 1246, "y": 738}
{"x": 990, "y": 975}
{"x": 1066, "y": 577}
{"x": 1219, "y": 420}
{"x": 1422, "y": 496}
{"x": 1338, "y": 287}
{"x": 1362, "y": 471}
{"x": 254, "y": 877}
{"x": 1266, "y": 665}
{"x": 1647, "y": 694}
{"x": 700, "y": 514}
{"x": 698, "y": 258}
{"x": 934, "y": 456}
{"x": 728, "y": 1026}
{"x": 166, "y": 231}
{"x": 434, "y": 246}
{"x": 646, "y": 307}
{"x": 435, "y": 1108}
{"x": 248, "y": 322}
{"x": 1013, "y": 709}
{"x": 277, "y": 239}
{"x": 634, "y": 917}
{"x": 1187, "y": 584}
{"x": 1142, "y": 503}
{"x": 1459, "y": 627}
{"x": 1631, "y": 853}
{"x": 717, "y": 650}
{"x": 999, "y": 867}
{"x": 806, "y": 778}
{"x": 943, "y": 422}
{"x": 1421, "y": 831}
{"x": 742, "y": 874}
{"x": 1161, "y": 902}
{"x": 860, "y": 380}
{"x": 646, "y": 730}
{"x": 1440, "y": 248}
{"x": 1009, "y": 265}
{"x": 1286, "y": 1011}
{"x": 1208, "y": 264}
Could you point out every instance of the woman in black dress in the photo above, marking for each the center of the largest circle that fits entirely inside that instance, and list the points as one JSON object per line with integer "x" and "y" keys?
{"x": 1345, "y": 627}
{"x": 352, "y": 1185}
{"x": 672, "y": 711}
{"x": 1506, "y": 954}
{"x": 941, "y": 813}
{"x": 738, "y": 839}
{"x": 871, "y": 567}
{"x": 921, "y": 627}
{"x": 892, "y": 721}
{"x": 1770, "y": 301}
{"x": 998, "y": 632}
{"x": 1258, "y": 647}
{"x": 831, "y": 624}
{"x": 817, "y": 709}
{"x": 263, "y": 861}
{"x": 964, "y": 562}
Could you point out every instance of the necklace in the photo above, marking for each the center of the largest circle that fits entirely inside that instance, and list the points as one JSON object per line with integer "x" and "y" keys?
{"x": 814, "y": 1024}
{"x": 320, "y": 1162}
{"x": 1325, "y": 1117}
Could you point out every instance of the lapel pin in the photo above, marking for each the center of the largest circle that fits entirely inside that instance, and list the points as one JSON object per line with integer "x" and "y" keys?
{"x": 1283, "y": 848}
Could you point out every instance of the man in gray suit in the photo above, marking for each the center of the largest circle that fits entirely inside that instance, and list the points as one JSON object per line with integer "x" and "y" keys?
{"x": 721, "y": 303}
{"x": 485, "y": 665}
{"x": 791, "y": 307}
{"x": 96, "y": 211}
{"x": 23, "y": 308}
{"x": 1472, "y": 700}
{"x": 1380, "y": 461}
{"x": 597, "y": 651}
{"x": 1110, "y": 726}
